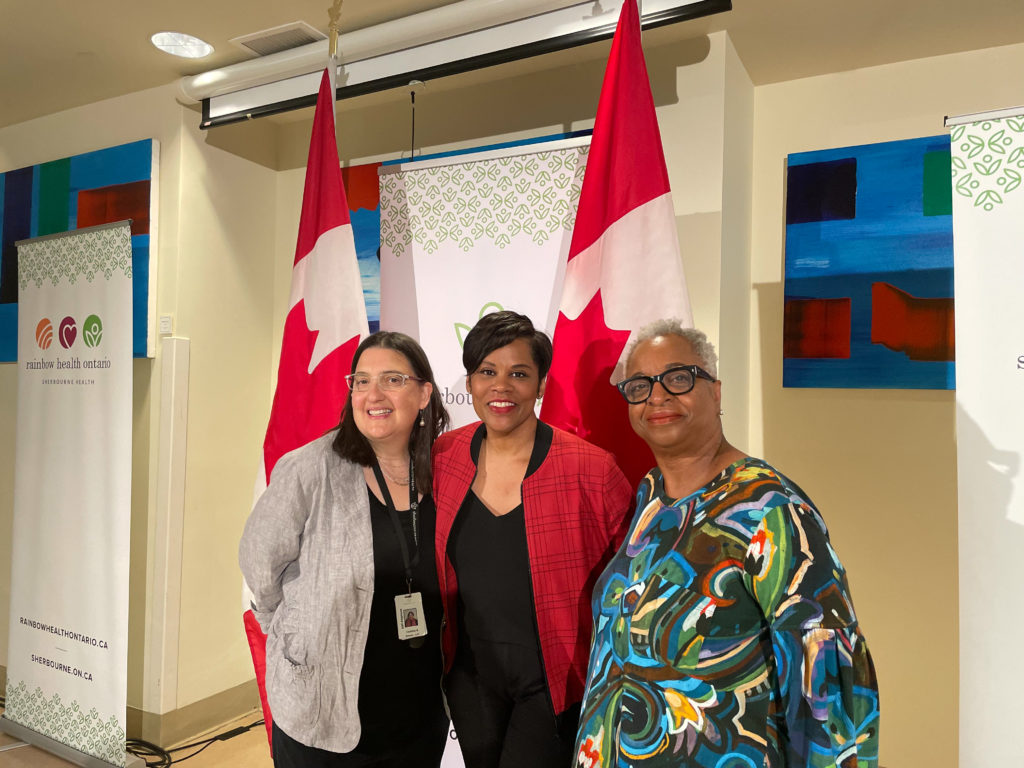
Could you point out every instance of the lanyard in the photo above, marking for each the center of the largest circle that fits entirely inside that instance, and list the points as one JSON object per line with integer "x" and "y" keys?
{"x": 407, "y": 562}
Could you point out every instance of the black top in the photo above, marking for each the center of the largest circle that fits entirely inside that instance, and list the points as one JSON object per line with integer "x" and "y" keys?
{"x": 393, "y": 670}
{"x": 493, "y": 566}
{"x": 497, "y": 620}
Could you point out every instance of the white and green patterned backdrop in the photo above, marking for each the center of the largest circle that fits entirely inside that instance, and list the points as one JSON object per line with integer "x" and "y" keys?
{"x": 91, "y": 255}
{"x": 67, "y": 653}
{"x": 988, "y": 245}
{"x": 470, "y": 234}
{"x": 69, "y": 723}
{"x": 988, "y": 161}
{"x": 490, "y": 202}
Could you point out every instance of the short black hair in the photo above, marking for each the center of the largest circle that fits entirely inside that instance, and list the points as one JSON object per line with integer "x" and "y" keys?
{"x": 352, "y": 445}
{"x": 499, "y": 329}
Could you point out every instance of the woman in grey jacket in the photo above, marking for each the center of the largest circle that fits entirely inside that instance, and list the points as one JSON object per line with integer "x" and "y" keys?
{"x": 338, "y": 555}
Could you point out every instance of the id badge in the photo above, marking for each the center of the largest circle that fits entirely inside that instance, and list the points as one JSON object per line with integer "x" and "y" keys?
{"x": 409, "y": 615}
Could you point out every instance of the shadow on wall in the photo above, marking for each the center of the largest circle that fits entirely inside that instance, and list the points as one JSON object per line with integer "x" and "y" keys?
{"x": 557, "y": 91}
{"x": 996, "y": 470}
{"x": 989, "y": 546}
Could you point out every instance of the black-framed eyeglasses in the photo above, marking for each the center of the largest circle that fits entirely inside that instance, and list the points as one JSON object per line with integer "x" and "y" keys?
{"x": 389, "y": 381}
{"x": 676, "y": 381}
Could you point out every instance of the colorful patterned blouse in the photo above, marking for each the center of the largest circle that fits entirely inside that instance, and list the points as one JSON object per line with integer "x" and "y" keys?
{"x": 725, "y": 637}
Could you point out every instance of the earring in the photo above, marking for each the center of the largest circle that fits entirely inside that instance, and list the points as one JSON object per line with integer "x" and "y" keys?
{"x": 423, "y": 423}
{"x": 721, "y": 413}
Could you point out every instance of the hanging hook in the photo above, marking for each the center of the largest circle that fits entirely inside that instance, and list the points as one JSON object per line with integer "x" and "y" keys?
{"x": 414, "y": 85}
{"x": 334, "y": 13}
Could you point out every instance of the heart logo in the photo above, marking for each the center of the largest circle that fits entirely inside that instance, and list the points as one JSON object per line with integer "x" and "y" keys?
{"x": 68, "y": 332}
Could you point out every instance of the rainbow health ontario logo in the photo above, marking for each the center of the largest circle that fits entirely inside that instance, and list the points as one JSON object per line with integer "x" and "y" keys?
{"x": 67, "y": 332}
{"x": 68, "y": 335}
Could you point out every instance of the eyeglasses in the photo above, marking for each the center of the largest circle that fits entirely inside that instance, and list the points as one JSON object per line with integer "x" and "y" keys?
{"x": 676, "y": 381}
{"x": 389, "y": 381}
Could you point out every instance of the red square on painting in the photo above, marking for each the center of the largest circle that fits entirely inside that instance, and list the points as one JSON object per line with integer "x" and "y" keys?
{"x": 116, "y": 203}
{"x": 920, "y": 328}
{"x": 816, "y": 328}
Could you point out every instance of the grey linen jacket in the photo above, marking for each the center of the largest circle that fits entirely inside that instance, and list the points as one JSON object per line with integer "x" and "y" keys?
{"x": 307, "y": 555}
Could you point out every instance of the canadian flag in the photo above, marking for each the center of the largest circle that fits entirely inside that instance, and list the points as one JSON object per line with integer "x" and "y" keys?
{"x": 325, "y": 323}
{"x": 624, "y": 268}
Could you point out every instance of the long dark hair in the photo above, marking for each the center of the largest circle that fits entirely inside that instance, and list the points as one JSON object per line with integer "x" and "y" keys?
{"x": 352, "y": 445}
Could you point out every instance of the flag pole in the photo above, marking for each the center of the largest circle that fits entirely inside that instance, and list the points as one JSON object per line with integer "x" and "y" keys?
{"x": 334, "y": 12}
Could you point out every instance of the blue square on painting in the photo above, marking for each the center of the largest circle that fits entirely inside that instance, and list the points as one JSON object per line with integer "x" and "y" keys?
{"x": 825, "y": 191}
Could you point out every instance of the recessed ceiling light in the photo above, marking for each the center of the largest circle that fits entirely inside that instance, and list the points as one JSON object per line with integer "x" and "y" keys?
{"x": 180, "y": 44}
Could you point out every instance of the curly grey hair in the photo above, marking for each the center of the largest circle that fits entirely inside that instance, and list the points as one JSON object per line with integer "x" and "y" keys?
{"x": 697, "y": 339}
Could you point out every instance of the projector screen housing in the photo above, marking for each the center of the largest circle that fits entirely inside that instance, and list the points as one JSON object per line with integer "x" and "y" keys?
{"x": 361, "y": 71}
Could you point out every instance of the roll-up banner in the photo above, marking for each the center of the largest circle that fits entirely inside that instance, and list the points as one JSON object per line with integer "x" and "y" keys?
{"x": 67, "y": 654}
{"x": 467, "y": 235}
{"x": 988, "y": 245}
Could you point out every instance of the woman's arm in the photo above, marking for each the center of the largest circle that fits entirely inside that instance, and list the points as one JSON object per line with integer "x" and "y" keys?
{"x": 272, "y": 538}
{"x": 827, "y": 683}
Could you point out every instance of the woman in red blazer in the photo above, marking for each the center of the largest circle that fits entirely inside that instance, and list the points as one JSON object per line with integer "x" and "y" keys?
{"x": 527, "y": 518}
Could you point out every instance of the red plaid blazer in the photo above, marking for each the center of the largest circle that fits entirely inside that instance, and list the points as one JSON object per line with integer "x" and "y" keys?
{"x": 577, "y": 505}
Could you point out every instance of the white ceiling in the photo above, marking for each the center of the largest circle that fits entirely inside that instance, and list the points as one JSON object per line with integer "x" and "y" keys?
{"x": 59, "y": 54}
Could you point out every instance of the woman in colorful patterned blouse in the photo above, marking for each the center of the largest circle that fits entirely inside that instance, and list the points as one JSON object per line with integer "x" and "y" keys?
{"x": 724, "y": 632}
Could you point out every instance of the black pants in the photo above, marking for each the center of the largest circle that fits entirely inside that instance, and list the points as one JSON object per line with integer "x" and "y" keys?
{"x": 424, "y": 750}
{"x": 508, "y": 723}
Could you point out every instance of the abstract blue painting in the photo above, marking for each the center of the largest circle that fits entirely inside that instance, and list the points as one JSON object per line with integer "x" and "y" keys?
{"x": 869, "y": 267}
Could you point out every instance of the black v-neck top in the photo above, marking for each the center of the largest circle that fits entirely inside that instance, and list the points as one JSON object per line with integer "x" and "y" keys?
{"x": 493, "y": 565}
{"x": 491, "y": 558}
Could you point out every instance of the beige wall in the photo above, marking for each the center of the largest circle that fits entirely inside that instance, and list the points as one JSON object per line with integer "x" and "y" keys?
{"x": 881, "y": 464}
{"x": 225, "y": 296}
{"x": 734, "y": 308}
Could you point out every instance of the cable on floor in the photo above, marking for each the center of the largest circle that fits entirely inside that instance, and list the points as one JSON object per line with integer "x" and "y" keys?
{"x": 161, "y": 758}
{"x": 146, "y": 750}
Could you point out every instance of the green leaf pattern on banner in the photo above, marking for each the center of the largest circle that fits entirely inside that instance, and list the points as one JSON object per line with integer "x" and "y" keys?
{"x": 103, "y": 253}
{"x": 1012, "y": 180}
{"x": 489, "y": 201}
{"x": 67, "y": 723}
{"x": 988, "y": 168}
{"x": 988, "y": 160}
{"x": 987, "y": 199}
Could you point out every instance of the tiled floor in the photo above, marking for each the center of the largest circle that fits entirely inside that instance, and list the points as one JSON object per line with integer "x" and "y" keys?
{"x": 248, "y": 750}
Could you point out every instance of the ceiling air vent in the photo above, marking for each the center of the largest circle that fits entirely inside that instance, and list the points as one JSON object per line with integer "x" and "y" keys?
{"x": 282, "y": 38}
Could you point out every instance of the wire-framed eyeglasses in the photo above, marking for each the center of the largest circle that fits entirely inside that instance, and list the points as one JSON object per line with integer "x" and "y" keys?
{"x": 677, "y": 381}
{"x": 389, "y": 381}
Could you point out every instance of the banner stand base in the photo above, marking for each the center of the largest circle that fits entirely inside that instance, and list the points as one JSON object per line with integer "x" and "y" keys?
{"x": 70, "y": 754}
